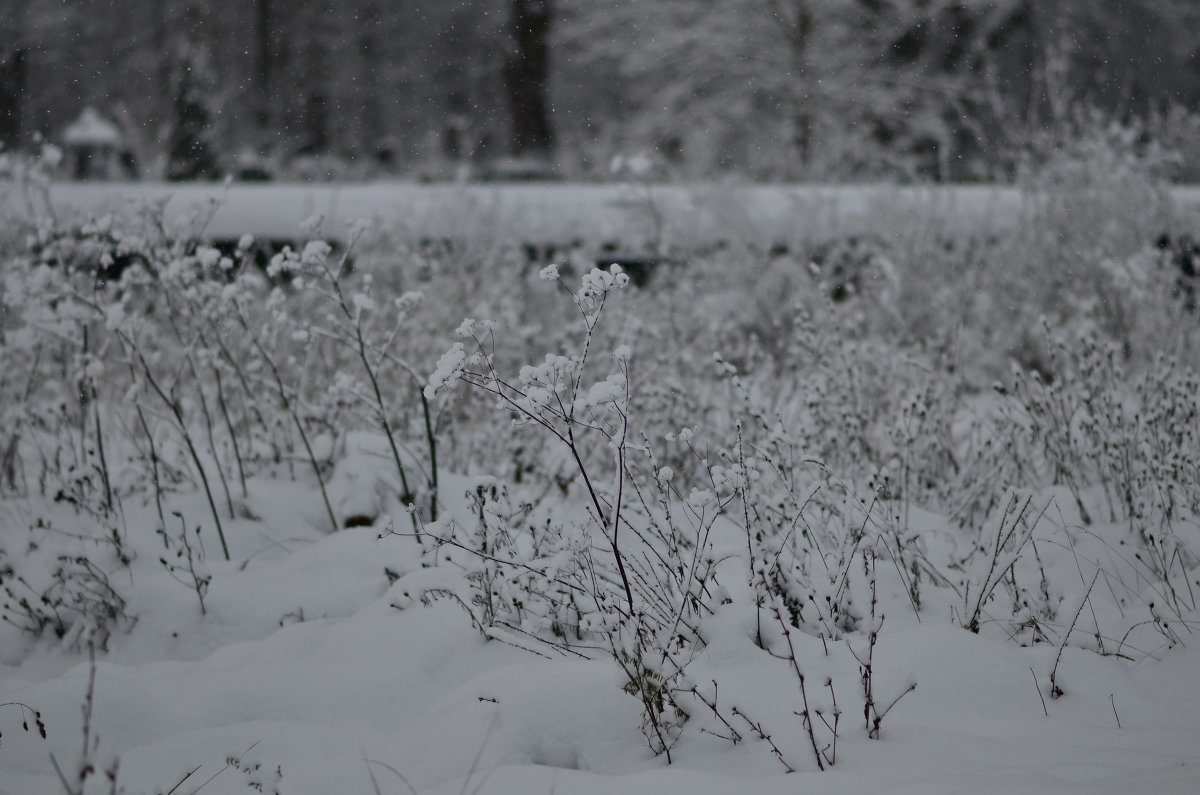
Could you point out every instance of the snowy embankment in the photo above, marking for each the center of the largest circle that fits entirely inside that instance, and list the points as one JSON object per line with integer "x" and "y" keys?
{"x": 886, "y": 523}
{"x": 630, "y": 214}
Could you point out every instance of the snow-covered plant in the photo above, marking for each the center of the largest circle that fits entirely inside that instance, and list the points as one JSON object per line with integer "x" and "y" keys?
{"x": 646, "y": 581}
{"x": 169, "y": 377}
{"x": 1124, "y": 445}
{"x": 522, "y": 577}
{"x": 88, "y": 766}
{"x": 255, "y": 776}
{"x": 187, "y": 566}
{"x": 1097, "y": 424}
{"x": 29, "y": 175}
{"x": 368, "y": 327}
{"x": 635, "y": 611}
{"x": 77, "y": 604}
{"x": 554, "y": 396}
{"x": 993, "y": 565}
{"x": 26, "y": 710}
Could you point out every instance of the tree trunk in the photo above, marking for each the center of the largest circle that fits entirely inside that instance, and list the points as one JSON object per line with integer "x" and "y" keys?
{"x": 263, "y": 56}
{"x": 370, "y": 127}
{"x": 12, "y": 93}
{"x": 527, "y": 77}
{"x": 802, "y": 117}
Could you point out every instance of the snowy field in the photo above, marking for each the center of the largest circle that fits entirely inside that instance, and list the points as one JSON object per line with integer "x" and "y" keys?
{"x": 916, "y": 514}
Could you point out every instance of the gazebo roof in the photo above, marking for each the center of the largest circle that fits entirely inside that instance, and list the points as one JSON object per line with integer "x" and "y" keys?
{"x": 92, "y": 128}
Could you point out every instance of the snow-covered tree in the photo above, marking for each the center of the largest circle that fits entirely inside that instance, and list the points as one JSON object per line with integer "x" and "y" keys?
{"x": 932, "y": 88}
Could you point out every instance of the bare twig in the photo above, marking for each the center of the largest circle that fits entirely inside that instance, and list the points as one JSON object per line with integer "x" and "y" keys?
{"x": 1038, "y": 687}
{"x": 1055, "y": 689}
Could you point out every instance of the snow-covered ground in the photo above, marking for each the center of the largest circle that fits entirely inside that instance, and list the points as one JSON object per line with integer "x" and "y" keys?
{"x": 306, "y": 664}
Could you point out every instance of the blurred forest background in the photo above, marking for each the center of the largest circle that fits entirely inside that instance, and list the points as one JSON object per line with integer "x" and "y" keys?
{"x": 907, "y": 90}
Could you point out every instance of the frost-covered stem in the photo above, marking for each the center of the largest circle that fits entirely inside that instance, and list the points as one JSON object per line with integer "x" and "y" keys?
{"x": 187, "y": 774}
{"x": 806, "y": 715}
{"x": 754, "y": 581}
{"x": 569, "y": 422}
{"x": 381, "y": 411}
{"x": 23, "y": 708}
{"x": 759, "y": 732}
{"x": 493, "y": 384}
{"x": 690, "y": 580}
{"x": 431, "y": 439}
{"x": 837, "y": 717}
{"x": 199, "y": 581}
{"x": 86, "y": 765}
{"x": 600, "y": 512}
{"x": 86, "y": 389}
{"x": 1055, "y": 690}
{"x": 430, "y": 432}
{"x": 741, "y": 453}
{"x": 173, "y": 405}
{"x": 380, "y": 406}
{"x": 650, "y": 694}
{"x": 866, "y": 668}
{"x": 108, "y": 497}
{"x": 622, "y": 453}
{"x": 212, "y": 444}
{"x": 162, "y": 521}
{"x": 485, "y": 383}
{"x": 241, "y": 377}
{"x": 446, "y": 540}
{"x": 590, "y": 325}
{"x": 1002, "y": 539}
{"x": 290, "y": 407}
{"x": 237, "y": 452}
{"x": 734, "y": 736}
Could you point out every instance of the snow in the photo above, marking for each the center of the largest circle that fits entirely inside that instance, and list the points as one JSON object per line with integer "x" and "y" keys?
{"x": 634, "y": 214}
{"x": 304, "y": 656}
{"x": 449, "y": 369}
{"x": 91, "y": 129}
